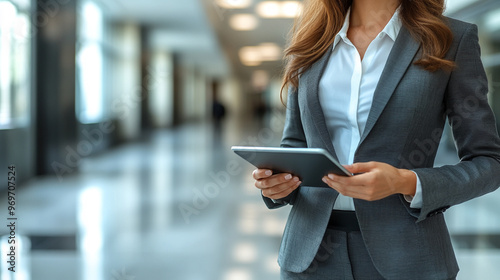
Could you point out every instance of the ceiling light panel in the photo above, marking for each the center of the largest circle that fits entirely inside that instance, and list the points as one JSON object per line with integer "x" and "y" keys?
{"x": 276, "y": 9}
{"x": 250, "y": 56}
{"x": 255, "y": 55}
{"x": 234, "y": 4}
{"x": 269, "y": 51}
{"x": 290, "y": 9}
{"x": 243, "y": 22}
{"x": 269, "y": 9}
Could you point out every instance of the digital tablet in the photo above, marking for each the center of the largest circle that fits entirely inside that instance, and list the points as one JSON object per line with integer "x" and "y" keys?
{"x": 309, "y": 164}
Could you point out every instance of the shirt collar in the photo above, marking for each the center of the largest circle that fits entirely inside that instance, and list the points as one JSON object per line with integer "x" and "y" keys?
{"x": 391, "y": 29}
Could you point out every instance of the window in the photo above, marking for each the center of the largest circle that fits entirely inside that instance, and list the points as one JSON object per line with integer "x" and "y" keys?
{"x": 15, "y": 62}
{"x": 90, "y": 65}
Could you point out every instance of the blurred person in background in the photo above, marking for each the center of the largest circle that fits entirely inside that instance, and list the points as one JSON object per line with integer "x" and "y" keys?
{"x": 372, "y": 82}
{"x": 218, "y": 109}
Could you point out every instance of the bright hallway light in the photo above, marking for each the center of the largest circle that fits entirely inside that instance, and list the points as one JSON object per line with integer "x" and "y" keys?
{"x": 276, "y": 9}
{"x": 234, "y": 4}
{"x": 243, "y": 22}
{"x": 255, "y": 55}
{"x": 269, "y": 51}
{"x": 290, "y": 9}
{"x": 250, "y": 56}
{"x": 269, "y": 9}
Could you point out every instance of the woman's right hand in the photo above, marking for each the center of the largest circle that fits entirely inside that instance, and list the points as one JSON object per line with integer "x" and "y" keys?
{"x": 275, "y": 186}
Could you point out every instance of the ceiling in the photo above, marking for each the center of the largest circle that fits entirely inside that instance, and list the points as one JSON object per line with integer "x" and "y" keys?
{"x": 180, "y": 26}
{"x": 267, "y": 31}
{"x": 198, "y": 30}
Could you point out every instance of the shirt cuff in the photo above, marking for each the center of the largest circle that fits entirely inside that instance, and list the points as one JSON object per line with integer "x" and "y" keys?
{"x": 415, "y": 200}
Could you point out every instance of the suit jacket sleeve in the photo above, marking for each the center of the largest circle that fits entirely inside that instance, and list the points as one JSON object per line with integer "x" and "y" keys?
{"x": 475, "y": 134}
{"x": 293, "y": 137}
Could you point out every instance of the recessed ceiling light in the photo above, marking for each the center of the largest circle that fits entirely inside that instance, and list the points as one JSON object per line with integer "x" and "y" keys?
{"x": 275, "y": 9}
{"x": 243, "y": 22}
{"x": 255, "y": 55}
{"x": 250, "y": 56}
{"x": 251, "y": 63}
{"x": 269, "y": 9}
{"x": 234, "y": 4}
{"x": 290, "y": 9}
{"x": 269, "y": 51}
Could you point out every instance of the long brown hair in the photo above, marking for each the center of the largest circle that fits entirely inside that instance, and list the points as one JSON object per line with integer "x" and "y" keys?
{"x": 314, "y": 32}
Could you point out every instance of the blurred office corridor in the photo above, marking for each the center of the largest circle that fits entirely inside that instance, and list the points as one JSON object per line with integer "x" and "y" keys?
{"x": 164, "y": 208}
{"x": 180, "y": 205}
{"x": 118, "y": 117}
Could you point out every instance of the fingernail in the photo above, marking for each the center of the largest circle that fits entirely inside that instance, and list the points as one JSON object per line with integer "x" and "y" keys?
{"x": 324, "y": 179}
{"x": 331, "y": 176}
{"x": 269, "y": 172}
{"x": 288, "y": 177}
{"x": 296, "y": 179}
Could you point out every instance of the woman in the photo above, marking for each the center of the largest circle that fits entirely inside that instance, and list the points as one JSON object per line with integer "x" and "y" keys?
{"x": 372, "y": 81}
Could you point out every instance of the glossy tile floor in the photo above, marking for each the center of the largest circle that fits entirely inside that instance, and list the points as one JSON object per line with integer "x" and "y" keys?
{"x": 180, "y": 205}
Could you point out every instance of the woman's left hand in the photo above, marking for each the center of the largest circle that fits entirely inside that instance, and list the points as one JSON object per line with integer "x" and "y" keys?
{"x": 375, "y": 180}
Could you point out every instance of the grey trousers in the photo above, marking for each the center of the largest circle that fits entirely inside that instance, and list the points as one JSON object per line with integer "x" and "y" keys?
{"x": 341, "y": 256}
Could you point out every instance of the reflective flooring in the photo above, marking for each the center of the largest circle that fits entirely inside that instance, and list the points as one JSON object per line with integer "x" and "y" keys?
{"x": 180, "y": 205}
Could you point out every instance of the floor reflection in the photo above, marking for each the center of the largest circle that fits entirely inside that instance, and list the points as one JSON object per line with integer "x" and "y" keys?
{"x": 90, "y": 235}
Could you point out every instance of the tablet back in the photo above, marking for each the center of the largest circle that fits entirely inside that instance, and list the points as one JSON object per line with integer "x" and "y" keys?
{"x": 310, "y": 165}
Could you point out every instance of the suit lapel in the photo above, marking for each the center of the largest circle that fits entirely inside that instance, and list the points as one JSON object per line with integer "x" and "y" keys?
{"x": 404, "y": 50}
{"x": 309, "y": 84}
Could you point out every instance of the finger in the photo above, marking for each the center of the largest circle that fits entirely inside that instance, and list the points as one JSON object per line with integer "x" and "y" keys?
{"x": 283, "y": 193}
{"x": 282, "y": 187}
{"x": 274, "y": 180}
{"x": 261, "y": 173}
{"x": 361, "y": 167}
{"x": 368, "y": 193}
{"x": 348, "y": 190}
{"x": 363, "y": 179}
{"x": 288, "y": 191}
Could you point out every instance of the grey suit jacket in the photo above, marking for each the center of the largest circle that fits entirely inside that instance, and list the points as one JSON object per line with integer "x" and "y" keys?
{"x": 404, "y": 127}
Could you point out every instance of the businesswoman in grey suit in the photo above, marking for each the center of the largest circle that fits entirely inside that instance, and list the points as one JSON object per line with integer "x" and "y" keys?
{"x": 373, "y": 82}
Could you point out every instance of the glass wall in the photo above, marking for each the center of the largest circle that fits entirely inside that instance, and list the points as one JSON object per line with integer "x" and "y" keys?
{"x": 90, "y": 100}
{"x": 15, "y": 63}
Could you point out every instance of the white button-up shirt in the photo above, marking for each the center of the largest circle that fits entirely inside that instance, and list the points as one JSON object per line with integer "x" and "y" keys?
{"x": 346, "y": 93}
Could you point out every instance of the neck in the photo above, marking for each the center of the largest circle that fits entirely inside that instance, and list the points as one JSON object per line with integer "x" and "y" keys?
{"x": 366, "y": 13}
